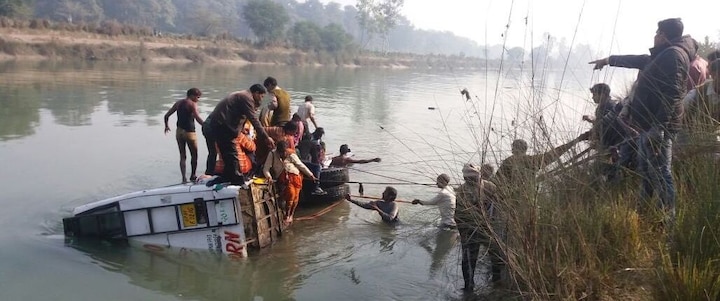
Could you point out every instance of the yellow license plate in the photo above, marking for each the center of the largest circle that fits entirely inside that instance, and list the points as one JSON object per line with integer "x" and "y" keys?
{"x": 189, "y": 215}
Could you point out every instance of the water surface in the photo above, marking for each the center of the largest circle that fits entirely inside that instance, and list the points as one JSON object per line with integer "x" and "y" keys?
{"x": 73, "y": 133}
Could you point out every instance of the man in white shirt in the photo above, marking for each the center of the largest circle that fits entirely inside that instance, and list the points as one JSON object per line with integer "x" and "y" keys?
{"x": 445, "y": 200}
{"x": 307, "y": 111}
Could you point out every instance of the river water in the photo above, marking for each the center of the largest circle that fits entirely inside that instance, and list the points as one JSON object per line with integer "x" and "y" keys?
{"x": 72, "y": 133}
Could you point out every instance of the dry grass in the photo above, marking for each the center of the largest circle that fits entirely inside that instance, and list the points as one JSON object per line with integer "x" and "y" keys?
{"x": 576, "y": 239}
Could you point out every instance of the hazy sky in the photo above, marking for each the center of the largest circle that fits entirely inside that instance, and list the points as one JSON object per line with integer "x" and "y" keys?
{"x": 628, "y": 26}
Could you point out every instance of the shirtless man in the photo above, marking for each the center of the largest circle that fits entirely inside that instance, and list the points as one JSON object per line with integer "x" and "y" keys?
{"x": 344, "y": 160}
{"x": 187, "y": 114}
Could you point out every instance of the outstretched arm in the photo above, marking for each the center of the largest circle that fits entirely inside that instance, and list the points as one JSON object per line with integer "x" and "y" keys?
{"x": 301, "y": 166}
{"x": 627, "y": 61}
{"x": 434, "y": 201}
{"x": 167, "y": 115}
{"x": 351, "y": 160}
{"x": 363, "y": 205}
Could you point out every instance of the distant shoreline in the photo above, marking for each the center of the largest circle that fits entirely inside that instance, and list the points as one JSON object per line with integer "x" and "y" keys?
{"x": 51, "y": 44}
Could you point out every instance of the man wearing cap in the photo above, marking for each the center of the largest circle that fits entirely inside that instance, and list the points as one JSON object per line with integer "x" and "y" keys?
{"x": 477, "y": 223}
{"x": 655, "y": 109}
{"x": 344, "y": 159}
{"x": 445, "y": 200}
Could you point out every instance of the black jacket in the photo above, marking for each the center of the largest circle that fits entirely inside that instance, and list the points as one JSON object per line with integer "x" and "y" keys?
{"x": 661, "y": 83}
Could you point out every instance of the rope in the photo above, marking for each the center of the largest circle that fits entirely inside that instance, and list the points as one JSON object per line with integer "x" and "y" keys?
{"x": 318, "y": 214}
{"x": 379, "y": 183}
{"x": 404, "y": 182}
{"x": 378, "y": 198}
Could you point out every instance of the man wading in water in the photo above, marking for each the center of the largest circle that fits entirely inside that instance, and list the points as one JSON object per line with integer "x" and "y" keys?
{"x": 386, "y": 208}
{"x": 475, "y": 216}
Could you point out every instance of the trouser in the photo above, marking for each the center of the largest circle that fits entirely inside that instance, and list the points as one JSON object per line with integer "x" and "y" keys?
{"x": 291, "y": 191}
{"x": 222, "y": 137}
{"x": 470, "y": 241}
{"x": 315, "y": 169}
{"x": 655, "y": 161}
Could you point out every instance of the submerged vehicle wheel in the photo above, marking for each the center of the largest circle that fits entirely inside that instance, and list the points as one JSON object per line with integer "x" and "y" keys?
{"x": 334, "y": 176}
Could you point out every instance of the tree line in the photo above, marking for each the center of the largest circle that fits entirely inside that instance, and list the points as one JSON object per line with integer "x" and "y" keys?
{"x": 309, "y": 25}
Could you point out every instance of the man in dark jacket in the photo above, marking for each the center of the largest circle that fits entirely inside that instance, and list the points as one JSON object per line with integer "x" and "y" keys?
{"x": 655, "y": 109}
{"x": 223, "y": 125}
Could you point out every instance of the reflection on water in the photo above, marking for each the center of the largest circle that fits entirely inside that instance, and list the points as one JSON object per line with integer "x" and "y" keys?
{"x": 445, "y": 241}
{"x": 196, "y": 275}
{"x": 19, "y": 112}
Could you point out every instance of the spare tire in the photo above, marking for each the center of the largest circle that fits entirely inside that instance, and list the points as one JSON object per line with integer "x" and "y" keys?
{"x": 334, "y": 176}
{"x": 333, "y": 194}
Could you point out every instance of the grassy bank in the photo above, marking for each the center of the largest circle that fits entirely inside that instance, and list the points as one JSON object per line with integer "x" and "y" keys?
{"x": 578, "y": 239}
{"x": 112, "y": 41}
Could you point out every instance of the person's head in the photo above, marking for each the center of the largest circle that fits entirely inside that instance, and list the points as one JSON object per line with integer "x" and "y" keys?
{"x": 715, "y": 69}
{"x": 296, "y": 117}
{"x": 247, "y": 127}
{"x": 270, "y": 83}
{"x": 308, "y": 98}
{"x": 344, "y": 149}
{"x": 442, "y": 180}
{"x": 486, "y": 171}
{"x": 471, "y": 173}
{"x": 193, "y": 94}
{"x": 715, "y": 73}
{"x": 714, "y": 55}
{"x": 519, "y": 147}
{"x": 600, "y": 92}
{"x": 290, "y": 128}
{"x": 668, "y": 30}
{"x": 318, "y": 133}
{"x": 389, "y": 194}
{"x": 281, "y": 148}
{"x": 257, "y": 92}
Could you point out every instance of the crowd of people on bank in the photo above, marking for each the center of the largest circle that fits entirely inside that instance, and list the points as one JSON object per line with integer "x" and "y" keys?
{"x": 674, "y": 98}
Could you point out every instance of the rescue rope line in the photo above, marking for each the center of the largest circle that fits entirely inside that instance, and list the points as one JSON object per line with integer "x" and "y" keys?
{"x": 318, "y": 214}
{"x": 388, "y": 177}
{"x": 379, "y": 183}
{"x": 378, "y": 198}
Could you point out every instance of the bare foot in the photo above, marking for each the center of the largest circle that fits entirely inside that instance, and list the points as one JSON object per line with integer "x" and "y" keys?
{"x": 184, "y": 181}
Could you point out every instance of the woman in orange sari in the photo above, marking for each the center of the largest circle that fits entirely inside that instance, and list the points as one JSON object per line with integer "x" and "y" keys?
{"x": 290, "y": 167}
